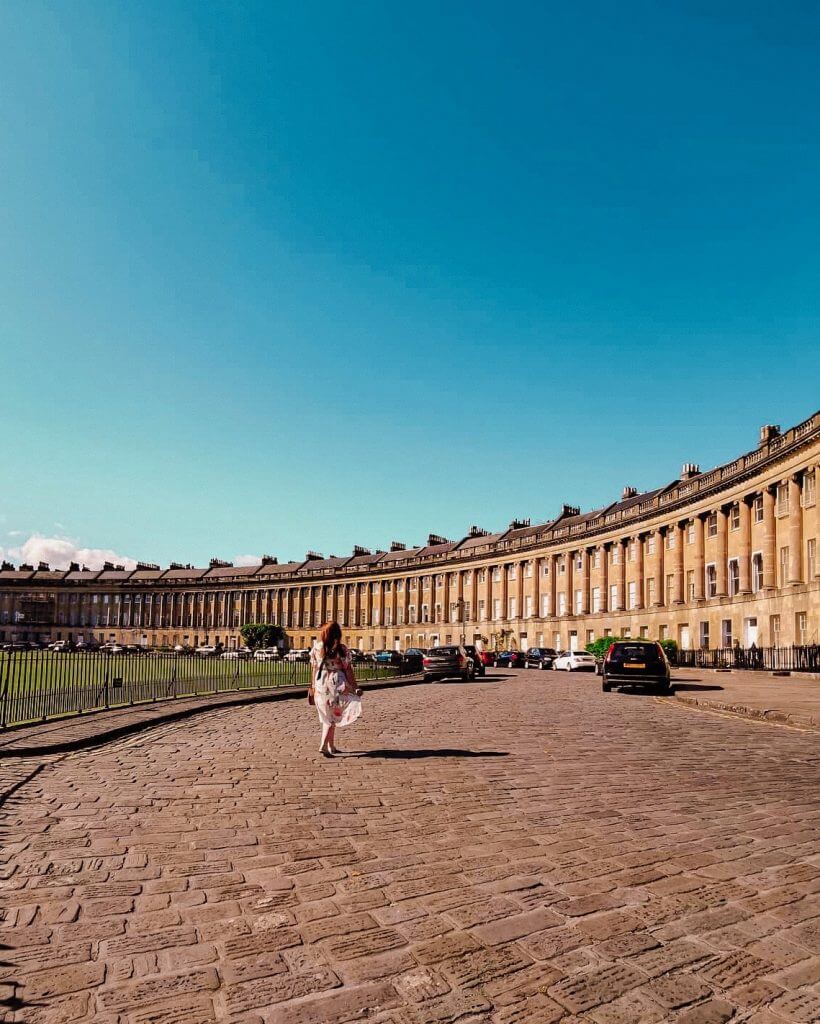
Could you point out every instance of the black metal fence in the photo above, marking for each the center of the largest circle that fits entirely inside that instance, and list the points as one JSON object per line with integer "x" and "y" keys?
{"x": 38, "y": 685}
{"x": 765, "y": 659}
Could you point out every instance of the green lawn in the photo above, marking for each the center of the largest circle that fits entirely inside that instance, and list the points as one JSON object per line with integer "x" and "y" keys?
{"x": 41, "y": 684}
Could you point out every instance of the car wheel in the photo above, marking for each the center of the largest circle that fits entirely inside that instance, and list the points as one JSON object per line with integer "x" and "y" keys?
{"x": 569, "y": 668}
{"x": 606, "y": 688}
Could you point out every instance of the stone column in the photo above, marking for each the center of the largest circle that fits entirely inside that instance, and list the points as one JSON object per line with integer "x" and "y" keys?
{"x": 745, "y": 546}
{"x": 552, "y": 587}
{"x": 640, "y": 575}
{"x": 722, "y": 557}
{"x": 519, "y": 600}
{"x": 680, "y": 575}
{"x": 569, "y": 587}
{"x": 660, "y": 567}
{"x": 624, "y": 553}
{"x": 380, "y": 599}
{"x": 795, "y": 530}
{"x": 603, "y": 577}
{"x": 585, "y": 581}
{"x": 769, "y": 540}
{"x": 536, "y": 588}
{"x": 699, "y": 559}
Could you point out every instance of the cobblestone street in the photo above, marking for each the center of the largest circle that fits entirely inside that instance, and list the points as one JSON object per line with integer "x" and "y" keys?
{"x": 519, "y": 850}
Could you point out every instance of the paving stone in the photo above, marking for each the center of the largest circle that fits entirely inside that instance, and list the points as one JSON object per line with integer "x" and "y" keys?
{"x": 483, "y": 965}
{"x": 151, "y": 990}
{"x": 678, "y": 989}
{"x": 800, "y": 1007}
{"x": 595, "y": 987}
{"x": 358, "y": 1003}
{"x": 277, "y": 988}
{"x": 508, "y": 929}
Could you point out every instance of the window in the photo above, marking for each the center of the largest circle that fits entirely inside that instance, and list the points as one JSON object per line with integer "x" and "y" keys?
{"x": 411, "y": 613}
{"x": 400, "y": 586}
{"x": 757, "y": 573}
{"x": 545, "y": 604}
{"x": 711, "y": 524}
{"x": 579, "y": 562}
{"x": 644, "y": 632}
{"x": 613, "y": 597}
{"x": 511, "y": 572}
{"x": 497, "y": 575}
{"x": 562, "y": 603}
{"x": 784, "y": 565}
{"x": 782, "y": 499}
{"x": 801, "y": 629}
{"x": 711, "y": 580}
{"x": 633, "y": 551}
{"x": 734, "y": 577}
{"x": 426, "y": 583}
{"x": 690, "y": 585}
{"x": 579, "y": 601}
{"x": 466, "y": 611}
{"x": 527, "y": 607}
{"x": 811, "y": 559}
{"x": 482, "y": 611}
{"x": 670, "y": 589}
{"x": 528, "y": 570}
{"x": 809, "y": 494}
{"x": 774, "y": 629}
{"x": 690, "y": 532}
{"x": 757, "y": 509}
{"x": 650, "y": 544}
{"x": 596, "y": 599}
{"x": 670, "y": 538}
{"x": 596, "y": 559}
{"x": 425, "y": 613}
{"x": 607, "y": 631}
{"x": 664, "y": 633}
{"x": 704, "y": 635}
{"x": 482, "y": 575}
{"x": 497, "y": 608}
{"x": 438, "y": 617}
{"x": 562, "y": 566}
{"x": 400, "y": 616}
{"x": 734, "y": 517}
{"x": 468, "y": 578}
{"x": 726, "y": 633}
{"x": 590, "y": 636}
{"x": 513, "y": 604}
{"x": 616, "y": 553}
{"x": 545, "y": 569}
{"x": 633, "y": 595}
{"x": 650, "y": 591}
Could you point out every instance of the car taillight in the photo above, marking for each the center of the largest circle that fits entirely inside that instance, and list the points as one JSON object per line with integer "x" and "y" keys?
{"x": 425, "y": 661}
{"x": 609, "y": 652}
{"x": 462, "y": 661}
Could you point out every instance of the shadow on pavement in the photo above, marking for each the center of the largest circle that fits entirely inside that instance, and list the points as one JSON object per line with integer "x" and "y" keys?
{"x": 399, "y": 755}
{"x": 696, "y": 686}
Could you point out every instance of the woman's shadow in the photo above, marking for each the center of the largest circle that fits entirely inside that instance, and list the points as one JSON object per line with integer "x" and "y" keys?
{"x": 402, "y": 755}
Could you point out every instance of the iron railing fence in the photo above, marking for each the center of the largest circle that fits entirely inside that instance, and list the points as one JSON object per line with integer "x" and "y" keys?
{"x": 38, "y": 685}
{"x": 766, "y": 659}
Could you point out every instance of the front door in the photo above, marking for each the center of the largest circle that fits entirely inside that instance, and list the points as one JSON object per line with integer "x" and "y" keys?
{"x": 573, "y": 640}
{"x": 750, "y": 632}
{"x": 685, "y": 642}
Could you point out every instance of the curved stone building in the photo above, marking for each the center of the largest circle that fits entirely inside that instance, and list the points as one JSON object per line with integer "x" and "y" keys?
{"x": 708, "y": 559}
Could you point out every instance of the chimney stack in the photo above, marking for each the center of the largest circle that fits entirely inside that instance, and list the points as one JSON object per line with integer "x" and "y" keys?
{"x": 767, "y": 433}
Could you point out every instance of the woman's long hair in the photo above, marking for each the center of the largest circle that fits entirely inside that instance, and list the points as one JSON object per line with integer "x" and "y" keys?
{"x": 331, "y": 639}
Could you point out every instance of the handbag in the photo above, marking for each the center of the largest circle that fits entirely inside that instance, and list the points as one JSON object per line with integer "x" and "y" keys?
{"x": 311, "y": 696}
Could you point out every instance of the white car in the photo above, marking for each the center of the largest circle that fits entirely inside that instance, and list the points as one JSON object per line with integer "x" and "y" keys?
{"x": 267, "y": 654}
{"x": 574, "y": 661}
{"x": 298, "y": 655}
{"x": 206, "y": 651}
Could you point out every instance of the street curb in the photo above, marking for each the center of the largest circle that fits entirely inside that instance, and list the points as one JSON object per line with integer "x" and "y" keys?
{"x": 760, "y": 714}
{"x": 148, "y": 714}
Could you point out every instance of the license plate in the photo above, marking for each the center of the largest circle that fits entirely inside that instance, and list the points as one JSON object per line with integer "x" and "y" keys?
{"x": 634, "y": 664}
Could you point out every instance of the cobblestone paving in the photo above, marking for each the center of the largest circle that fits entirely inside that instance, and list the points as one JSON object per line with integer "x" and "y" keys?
{"x": 524, "y": 850}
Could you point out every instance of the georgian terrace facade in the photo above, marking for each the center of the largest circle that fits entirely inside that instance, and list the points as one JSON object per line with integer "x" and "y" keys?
{"x": 709, "y": 560}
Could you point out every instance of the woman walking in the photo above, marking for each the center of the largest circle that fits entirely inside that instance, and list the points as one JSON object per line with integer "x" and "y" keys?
{"x": 338, "y": 701}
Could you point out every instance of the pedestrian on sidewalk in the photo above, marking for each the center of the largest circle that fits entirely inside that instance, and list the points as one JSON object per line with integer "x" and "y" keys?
{"x": 338, "y": 699}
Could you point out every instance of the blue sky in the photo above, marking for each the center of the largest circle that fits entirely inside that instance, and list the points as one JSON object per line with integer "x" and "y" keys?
{"x": 314, "y": 274}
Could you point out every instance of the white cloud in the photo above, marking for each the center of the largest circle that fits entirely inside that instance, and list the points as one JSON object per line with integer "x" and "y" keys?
{"x": 59, "y": 552}
{"x": 247, "y": 560}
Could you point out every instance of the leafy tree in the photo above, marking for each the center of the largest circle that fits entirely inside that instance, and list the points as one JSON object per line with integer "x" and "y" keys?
{"x": 598, "y": 648}
{"x": 261, "y": 634}
{"x": 671, "y": 649}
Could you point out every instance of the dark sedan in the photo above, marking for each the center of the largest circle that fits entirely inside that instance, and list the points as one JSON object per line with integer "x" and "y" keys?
{"x": 636, "y": 663}
{"x": 540, "y": 657}
{"x": 475, "y": 657}
{"x": 510, "y": 659}
{"x": 412, "y": 660}
{"x": 451, "y": 662}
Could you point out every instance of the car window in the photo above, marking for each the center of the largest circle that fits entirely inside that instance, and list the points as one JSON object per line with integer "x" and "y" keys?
{"x": 445, "y": 650}
{"x": 636, "y": 651}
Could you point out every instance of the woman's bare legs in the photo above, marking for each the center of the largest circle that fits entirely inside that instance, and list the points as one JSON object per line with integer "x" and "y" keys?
{"x": 327, "y": 739}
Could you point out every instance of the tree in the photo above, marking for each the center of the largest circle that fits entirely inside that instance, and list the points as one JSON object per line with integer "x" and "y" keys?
{"x": 261, "y": 634}
{"x": 598, "y": 648}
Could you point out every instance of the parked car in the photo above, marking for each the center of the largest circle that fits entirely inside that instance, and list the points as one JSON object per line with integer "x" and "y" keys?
{"x": 239, "y": 655}
{"x": 356, "y": 655}
{"x": 208, "y": 651}
{"x": 574, "y": 661}
{"x": 183, "y": 649}
{"x": 637, "y": 663}
{"x": 449, "y": 662}
{"x": 388, "y": 658}
{"x": 540, "y": 657}
{"x": 59, "y": 646}
{"x": 412, "y": 660}
{"x": 510, "y": 659}
{"x": 267, "y": 654}
{"x": 111, "y": 648}
{"x": 298, "y": 654}
{"x": 488, "y": 658}
{"x": 475, "y": 657}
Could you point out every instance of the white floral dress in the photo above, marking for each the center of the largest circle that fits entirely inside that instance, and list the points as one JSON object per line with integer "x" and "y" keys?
{"x": 335, "y": 707}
